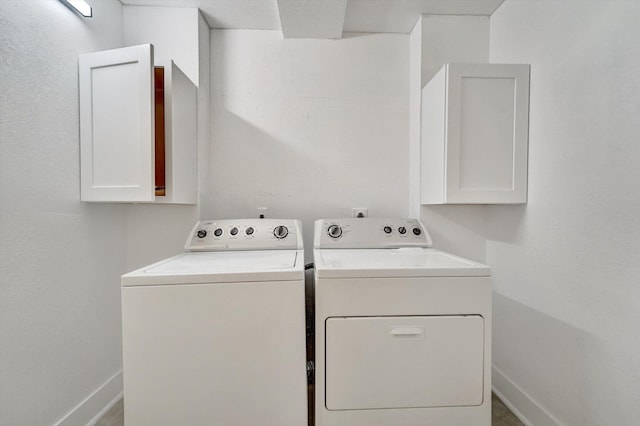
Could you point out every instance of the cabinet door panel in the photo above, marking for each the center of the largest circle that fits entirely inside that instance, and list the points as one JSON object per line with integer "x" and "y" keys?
{"x": 116, "y": 125}
{"x": 486, "y": 141}
{"x": 488, "y": 112}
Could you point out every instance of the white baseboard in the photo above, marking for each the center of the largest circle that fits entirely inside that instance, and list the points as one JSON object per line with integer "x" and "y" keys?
{"x": 522, "y": 405}
{"x": 89, "y": 411}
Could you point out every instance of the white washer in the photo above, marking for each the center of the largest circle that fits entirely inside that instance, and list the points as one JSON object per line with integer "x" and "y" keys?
{"x": 216, "y": 336}
{"x": 403, "y": 331}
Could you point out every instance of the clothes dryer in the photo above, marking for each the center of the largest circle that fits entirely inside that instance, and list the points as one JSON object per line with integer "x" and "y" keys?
{"x": 403, "y": 331}
{"x": 216, "y": 335}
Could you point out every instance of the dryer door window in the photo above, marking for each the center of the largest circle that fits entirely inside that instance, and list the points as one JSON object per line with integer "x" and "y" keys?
{"x": 404, "y": 362}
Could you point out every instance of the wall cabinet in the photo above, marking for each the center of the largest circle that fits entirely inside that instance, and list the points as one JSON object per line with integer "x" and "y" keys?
{"x": 120, "y": 148}
{"x": 474, "y": 135}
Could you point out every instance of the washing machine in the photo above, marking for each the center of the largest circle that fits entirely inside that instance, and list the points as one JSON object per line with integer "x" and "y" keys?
{"x": 216, "y": 335}
{"x": 403, "y": 331}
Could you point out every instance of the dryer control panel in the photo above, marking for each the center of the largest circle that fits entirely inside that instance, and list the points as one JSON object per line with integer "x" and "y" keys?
{"x": 245, "y": 234}
{"x": 370, "y": 232}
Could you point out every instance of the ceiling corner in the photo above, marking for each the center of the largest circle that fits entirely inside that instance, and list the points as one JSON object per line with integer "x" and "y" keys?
{"x": 322, "y": 19}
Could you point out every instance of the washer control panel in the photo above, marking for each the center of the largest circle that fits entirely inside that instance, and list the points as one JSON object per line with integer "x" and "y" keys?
{"x": 370, "y": 233}
{"x": 245, "y": 234}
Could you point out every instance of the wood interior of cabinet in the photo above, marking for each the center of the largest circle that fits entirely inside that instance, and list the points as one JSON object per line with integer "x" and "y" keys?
{"x": 160, "y": 177}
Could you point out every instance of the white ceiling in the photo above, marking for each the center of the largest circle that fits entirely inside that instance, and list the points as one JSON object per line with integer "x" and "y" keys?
{"x": 385, "y": 16}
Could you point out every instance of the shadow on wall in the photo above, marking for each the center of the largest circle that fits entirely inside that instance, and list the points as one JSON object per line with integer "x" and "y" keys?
{"x": 462, "y": 228}
{"x": 303, "y": 158}
{"x": 504, "y": 223}
{"x": 545, "y": 354}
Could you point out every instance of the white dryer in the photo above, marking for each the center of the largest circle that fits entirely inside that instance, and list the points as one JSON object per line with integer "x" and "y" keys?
{"x": 216, "y": 336}
{"x": 403, "y": 331}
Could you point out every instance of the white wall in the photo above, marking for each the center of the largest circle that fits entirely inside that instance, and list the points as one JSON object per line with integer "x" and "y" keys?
{"x": 447, "y": 38}
{"x": 308, "y": 128}
{"x": 566, "y": 266}
{"x": 158, "y": 231}
{"x": 173, "y": 31}
{"x": 60, "y": 259}
{"x": 415, "y": 116}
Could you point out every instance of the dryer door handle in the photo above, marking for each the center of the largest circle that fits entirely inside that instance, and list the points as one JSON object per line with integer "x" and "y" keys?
{"x": 407, "y": 330}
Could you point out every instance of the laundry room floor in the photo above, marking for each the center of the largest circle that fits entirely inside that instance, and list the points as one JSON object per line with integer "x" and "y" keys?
{"x": 501, "y": 416}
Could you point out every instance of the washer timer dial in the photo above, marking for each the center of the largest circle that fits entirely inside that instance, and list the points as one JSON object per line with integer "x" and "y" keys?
{"x": 280, "y": 232}
{"x": 334, "y": 231}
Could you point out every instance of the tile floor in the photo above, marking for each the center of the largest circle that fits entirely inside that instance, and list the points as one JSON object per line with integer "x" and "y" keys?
{"x": 501, "y": 416}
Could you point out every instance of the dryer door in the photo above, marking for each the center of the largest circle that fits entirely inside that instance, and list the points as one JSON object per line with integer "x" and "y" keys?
{"x": 403, "y": 362}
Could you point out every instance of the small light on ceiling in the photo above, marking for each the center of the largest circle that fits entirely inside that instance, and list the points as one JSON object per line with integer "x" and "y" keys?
{"x": 80, "y": 6}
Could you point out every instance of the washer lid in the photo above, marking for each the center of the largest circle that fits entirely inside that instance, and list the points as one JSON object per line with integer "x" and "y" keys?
{"x": 400, "y": 262}
{"x": 205, "y": 267}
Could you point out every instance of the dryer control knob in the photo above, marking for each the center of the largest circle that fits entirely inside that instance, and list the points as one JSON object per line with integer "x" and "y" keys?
{"x": 335, "y": 231}
{"x": 280, "y": 232}
{"x": 417, "y": 231}
{"x": 402, "y": 230}
{"x": 202, "y": 233}
{"x": 234, "y": 231}
{"x": 217, "y": 232}
{"x": 249, "y": 231}
{"x": 387, "y": 229}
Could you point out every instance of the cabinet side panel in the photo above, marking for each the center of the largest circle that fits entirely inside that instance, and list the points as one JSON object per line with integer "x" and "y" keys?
{"x": 184, "y": 174}
{"x": 432, "y": 140}
{"x": 521, "y": 133}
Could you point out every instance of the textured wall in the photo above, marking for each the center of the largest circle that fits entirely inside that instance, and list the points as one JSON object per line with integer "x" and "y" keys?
{"x": 156, "y": 231}
{"x": 60, "y": 259}
{"x": 455, "y": 228}
{"x": 308, "y": 128}
{"x": 566, "y": 266}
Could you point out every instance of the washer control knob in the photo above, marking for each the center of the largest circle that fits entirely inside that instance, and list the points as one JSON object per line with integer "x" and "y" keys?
{"x": 280, "y": 232}
{"x": 249, "y": 231}
{"x": 201, "y": 233}
{"x": 402, "y": 230}
{"x": 335, "y": 231}
{"x": 417, "y": 231}
{"x": 234, "y": 231}
{"x": 387, "y": 229}
{"x": 217, "y": 232}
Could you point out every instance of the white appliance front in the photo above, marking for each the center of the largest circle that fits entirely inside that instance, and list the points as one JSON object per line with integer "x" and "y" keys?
{"x": 403, "y": 333}
{"x": 218, "y": 338}
{"x": 393, "y": 362}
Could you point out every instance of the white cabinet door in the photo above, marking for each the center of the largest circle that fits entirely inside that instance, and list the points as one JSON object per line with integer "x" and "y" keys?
{"x": 475, "y": 125}
{"x": 116, "y": 125}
